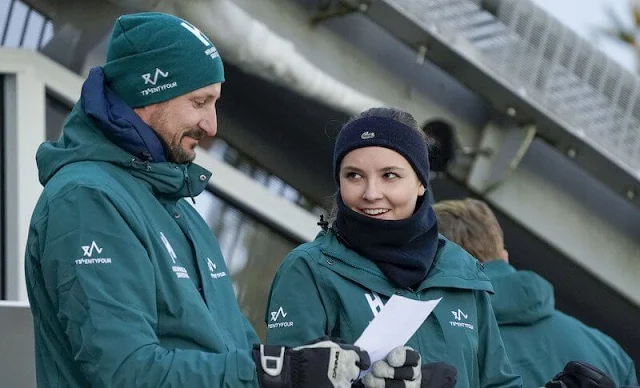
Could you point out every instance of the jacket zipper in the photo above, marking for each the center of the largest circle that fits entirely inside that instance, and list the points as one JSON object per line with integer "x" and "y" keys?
{"x": 188, "y": 183}
{"x": 351, "y": 265}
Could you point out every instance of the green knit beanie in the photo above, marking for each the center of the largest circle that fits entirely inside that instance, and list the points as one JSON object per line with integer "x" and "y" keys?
{"x": 153, "y": 57}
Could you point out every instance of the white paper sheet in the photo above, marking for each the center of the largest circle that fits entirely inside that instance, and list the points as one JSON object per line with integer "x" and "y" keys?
{"x": 399, "y": 319}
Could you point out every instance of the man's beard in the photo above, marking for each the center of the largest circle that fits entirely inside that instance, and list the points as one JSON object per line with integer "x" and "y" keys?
{"x": 174, "y": 150}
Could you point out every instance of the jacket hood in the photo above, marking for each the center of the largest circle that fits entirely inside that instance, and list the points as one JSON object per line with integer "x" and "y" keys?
{"x": 521, "y": 297}
{"x": 452, "y": 267}
{"x": 102, "y": 128}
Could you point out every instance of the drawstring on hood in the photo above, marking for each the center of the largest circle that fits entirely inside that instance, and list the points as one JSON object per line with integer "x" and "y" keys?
{"x": 323, "y": 223}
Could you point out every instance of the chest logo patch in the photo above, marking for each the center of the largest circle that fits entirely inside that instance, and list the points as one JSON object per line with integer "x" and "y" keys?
{"x": 181, "y": 272}
{"x": 375, "y": 303}
{"x": 460, "y": 318}
{"x": 87, "y": 255}
{"x": 213, "y": 270}
{"x": 275, "y": 317}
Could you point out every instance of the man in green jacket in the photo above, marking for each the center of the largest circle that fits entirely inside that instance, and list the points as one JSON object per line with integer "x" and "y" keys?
{"x": 539, "y": 339}
{"x": 127, "y": 284}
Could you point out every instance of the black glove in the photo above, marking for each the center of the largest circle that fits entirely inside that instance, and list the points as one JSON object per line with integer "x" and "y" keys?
{"x": 402, "y": 369}
{"x": 579, "y": 374}
{"x": 321, "y": 364}
{"x": 439, "y": 375}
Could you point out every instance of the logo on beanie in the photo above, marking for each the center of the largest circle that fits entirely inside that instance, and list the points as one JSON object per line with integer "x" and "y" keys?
{"x": 147, "y": 77}
{"x": 155, "y": 89}
{"x": 197, "y": 33}
{"x": 211, "y": 51}
{"x": 367, "y": 135}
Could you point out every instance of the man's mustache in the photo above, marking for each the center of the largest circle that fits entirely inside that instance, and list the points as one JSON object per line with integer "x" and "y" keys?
{"x": 195, "y": 133}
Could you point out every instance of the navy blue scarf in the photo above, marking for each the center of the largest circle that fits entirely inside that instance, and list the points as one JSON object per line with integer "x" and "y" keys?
{"x": 404, "y": 250}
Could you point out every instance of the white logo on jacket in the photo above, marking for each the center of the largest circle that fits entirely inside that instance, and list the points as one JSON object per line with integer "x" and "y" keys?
{"x": 212, "y": 269}
{"x": 460, "y": 316}
{"x": 181, "y": 272}
{"x": 87, "y": 251}
{"x": 275, "y": 315}
{"x": 375, "y": 303}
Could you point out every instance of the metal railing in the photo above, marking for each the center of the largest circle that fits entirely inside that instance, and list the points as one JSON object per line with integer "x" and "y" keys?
{"x": 23, "y": 26}
{"x": 540, "y": 58}
{"x": 533, "y": 68}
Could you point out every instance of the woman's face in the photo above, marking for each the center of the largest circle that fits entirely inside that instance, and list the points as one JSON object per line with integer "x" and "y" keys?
{"x": 379, "y": 183}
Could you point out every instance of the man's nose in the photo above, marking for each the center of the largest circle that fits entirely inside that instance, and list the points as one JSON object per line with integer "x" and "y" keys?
{"x": 209, "y": 124}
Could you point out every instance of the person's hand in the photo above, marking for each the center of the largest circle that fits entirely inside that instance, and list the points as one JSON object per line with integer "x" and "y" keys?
{"x": 322, "y": 364}
{"x": 439, "y": 375}
{"x": 579, "y": 374}
{"x": 402, "y": 368}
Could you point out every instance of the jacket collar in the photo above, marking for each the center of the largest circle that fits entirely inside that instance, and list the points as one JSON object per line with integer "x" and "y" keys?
{"x": 452, "y": 267}
{"x": 497, "y": 267}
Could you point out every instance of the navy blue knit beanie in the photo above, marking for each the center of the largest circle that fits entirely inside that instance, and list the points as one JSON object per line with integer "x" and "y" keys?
{"x": 376, "y": 131}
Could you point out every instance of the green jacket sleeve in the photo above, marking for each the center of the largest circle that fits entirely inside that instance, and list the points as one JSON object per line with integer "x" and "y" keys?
{"x": 252, "y": 336}
{"x": 107, "y": 304}
{"x": 495, "y": 368}
{"x": 297, "y": 312}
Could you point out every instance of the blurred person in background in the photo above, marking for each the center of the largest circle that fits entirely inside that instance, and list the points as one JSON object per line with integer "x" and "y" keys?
{"x": 384, "y": 241}
{"x": 126, "y": 282}
{"x": 539, "y": 339}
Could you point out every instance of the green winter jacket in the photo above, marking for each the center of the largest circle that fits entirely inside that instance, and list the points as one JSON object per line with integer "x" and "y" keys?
{"x": 541, "y": 340}
{"x": 126, "y": 281}
{"x": 324, "y": 288}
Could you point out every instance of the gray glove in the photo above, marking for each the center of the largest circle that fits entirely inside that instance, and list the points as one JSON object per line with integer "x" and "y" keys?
{"x": 321, "y": 364}
{"x": 401, "y": 369}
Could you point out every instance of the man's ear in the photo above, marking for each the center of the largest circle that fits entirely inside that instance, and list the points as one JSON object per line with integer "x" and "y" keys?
{"x": 505, "y": 255}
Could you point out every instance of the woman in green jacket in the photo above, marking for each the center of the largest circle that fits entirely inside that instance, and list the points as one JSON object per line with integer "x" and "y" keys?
{"x": 384, "y": 241}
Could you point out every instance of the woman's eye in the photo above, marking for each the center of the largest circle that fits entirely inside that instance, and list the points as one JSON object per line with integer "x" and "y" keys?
{"x": 198, "y": 104}
{"x": 352, "y": 175}
{"x": 390, "y": 175}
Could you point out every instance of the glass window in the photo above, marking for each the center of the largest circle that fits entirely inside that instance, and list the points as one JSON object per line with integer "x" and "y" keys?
{"x": 22, "y": 26}
{"x": 56, "y": 111}
{"x": 221, "y": 150}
